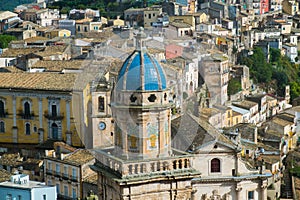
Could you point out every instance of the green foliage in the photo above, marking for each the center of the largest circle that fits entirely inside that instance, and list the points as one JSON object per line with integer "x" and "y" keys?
{"x": 234, "y": 86}
{"x": 295, "y": 89}
{"x": 282, "y": 80}
{"x": 5, "y": 40}
{"x": 295, "y": 171}
{"x": 107, "y": 8}
{"x": 274, "y": 55}
{"x": 10, "y": 5}
{"x": 276, "y": 74}
{"x": 259, "y": 68}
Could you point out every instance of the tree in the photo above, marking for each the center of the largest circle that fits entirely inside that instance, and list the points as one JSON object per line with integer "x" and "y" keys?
{"x": 5, "y": 40}
{"x": 275, "y": 55}
{"x": 234, "y": 86}
{"x": 282, "y": 80}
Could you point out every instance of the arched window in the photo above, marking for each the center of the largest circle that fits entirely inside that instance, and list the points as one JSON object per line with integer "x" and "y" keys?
{"x": 215, "y": 165}
{"x": 2, "y": 111}
{"x": 27, "y": 128}
{"x": 26, "y": 109}
{"x": 2, "y": 127}
{"x": 54, "y": 128}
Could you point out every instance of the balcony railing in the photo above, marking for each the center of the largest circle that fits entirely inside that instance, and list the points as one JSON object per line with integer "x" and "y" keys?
{"x": 65, "y": 176}
{"x": 153, "y": 166}
{"x": 24, "y": 115}
{"x": 51, "y": 116}
{"x": 74, "y": 178}
{"x": 3, "y": 114}
{"x": 58, "y": 174}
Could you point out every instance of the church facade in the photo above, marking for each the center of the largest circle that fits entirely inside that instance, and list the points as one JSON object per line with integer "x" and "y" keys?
{"x": 156, "y": 158}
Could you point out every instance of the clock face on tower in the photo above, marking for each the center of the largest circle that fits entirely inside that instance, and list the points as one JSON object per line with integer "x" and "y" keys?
{"x": 101, "y": 125}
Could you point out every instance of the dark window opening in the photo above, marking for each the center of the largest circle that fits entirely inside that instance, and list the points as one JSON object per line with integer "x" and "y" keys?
{"x": 152, "y": 98}
{"x": 2, "y": 127}
{"x": 27, "y": 129}
{"x": 215, "y": 165}
{"x": 2, "y": 112}
{"x": 100, "y": 104}
{"x": 165, "y": 96}
{"x": 26, "y": 109}
{"x": 54, "y": 111}
{"x": 54, "y": 128}
{"x": 133, "y": 98}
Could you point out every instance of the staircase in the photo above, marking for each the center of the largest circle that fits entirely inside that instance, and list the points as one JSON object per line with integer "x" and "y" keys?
{"x": 286, "y": 187}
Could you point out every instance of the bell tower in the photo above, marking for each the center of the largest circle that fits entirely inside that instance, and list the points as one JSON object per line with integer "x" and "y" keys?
{"x": 140, "y": 106}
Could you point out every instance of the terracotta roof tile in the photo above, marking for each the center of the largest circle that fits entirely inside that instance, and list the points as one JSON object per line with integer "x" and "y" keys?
{"x": 37, "y": 81}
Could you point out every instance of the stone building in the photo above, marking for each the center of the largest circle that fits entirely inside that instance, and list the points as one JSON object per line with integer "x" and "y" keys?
{"x": 215, "y": 72}
{"x": 156, "y": 158}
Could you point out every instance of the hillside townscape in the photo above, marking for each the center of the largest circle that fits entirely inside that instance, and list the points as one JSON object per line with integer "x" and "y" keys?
{"x": 128, "y": 100}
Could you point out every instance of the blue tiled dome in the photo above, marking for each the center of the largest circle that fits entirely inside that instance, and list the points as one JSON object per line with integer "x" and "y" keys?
{"x": 141, "y": 72}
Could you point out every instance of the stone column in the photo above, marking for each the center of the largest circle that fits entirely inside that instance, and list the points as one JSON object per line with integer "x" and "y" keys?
{"x": 68, "y": 119}
{"x": 68, "y": 114}
{"x": 124, "y": 141}
{"x": 14, "y": 128}
{"x": 40, "y": 112}
{"x": 41, "y": 130}
{"x": 161, "y": 136}
{"x": 14, "y": 111}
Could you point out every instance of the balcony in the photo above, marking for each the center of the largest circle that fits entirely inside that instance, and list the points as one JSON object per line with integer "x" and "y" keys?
{"x": 24, "y": 115}
{"x": 57, "y": 174}
{"x": 131, "y": 168}
{"x": 49, "y": 172}
{"x": 65, "y": 176}
{"x": 74, "y": 178}
{"x": 52, "y": 116}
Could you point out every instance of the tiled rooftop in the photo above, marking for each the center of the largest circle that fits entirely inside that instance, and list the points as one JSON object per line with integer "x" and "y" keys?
{"x": 281, "y": 122}
{"x": 209, "y": 112}
{"x": 4, "y": 175}
{"x": 14, "y": 52}
{"x": 245, "y": 104}
{"x": 10, "y": 159}
{"x": 189, "y": 131}
{"x": 80, "y": 157}
{"x": 271, "y": 159}
{"x": 11, "y": 69}
{"x": 58, "y": 65}
{"x": 36, "y": 39}
{"x": 92, "y": 179}
{"x": 178, "y": 24}
{"x": 37, "y": 81}
{"x": 52, "y": 50}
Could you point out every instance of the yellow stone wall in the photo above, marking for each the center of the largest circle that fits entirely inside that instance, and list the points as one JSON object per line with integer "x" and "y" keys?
{"x": 33, "y": 138}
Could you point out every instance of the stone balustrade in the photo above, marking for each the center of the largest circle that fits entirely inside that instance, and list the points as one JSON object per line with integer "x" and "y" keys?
{"x": 148, "y": 166}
